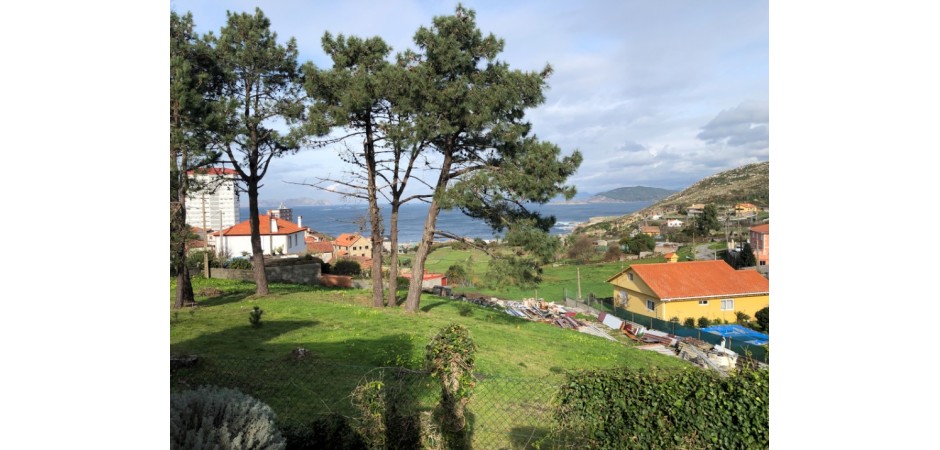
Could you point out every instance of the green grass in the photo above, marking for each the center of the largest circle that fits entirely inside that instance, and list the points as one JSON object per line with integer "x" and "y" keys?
{"x": 562, "y": 278}
{"x": 442, "y": 258}
{"x": 349, "y": 341}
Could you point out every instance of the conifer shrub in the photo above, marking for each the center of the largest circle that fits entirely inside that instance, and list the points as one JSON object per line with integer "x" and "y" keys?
{"x": 346, "y": 267}
{"x": 213, "y": 417}
{"x": 703, "y": 322}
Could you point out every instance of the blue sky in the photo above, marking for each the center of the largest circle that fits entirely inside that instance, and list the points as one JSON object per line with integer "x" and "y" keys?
{"x": 657, "y": 94}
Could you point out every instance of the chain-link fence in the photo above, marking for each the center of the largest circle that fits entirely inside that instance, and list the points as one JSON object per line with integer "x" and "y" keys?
{"x": 503, "y": 413}
{"x": 756, "y": 352}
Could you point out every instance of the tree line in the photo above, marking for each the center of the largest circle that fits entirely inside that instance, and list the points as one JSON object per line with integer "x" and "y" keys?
{"x": 447, "y": 116}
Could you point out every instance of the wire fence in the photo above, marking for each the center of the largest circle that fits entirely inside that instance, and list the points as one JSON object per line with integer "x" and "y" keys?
{"x": 755, "y": 352}
{"x": 503, "y": 413}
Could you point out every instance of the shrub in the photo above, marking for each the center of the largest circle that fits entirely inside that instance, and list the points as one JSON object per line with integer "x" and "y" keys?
{"x": 240, "y": 263}
{"x": 703, "y": 322}
{"x": 689, "y": 322}
{"x": 689, "y": 409}
{"x": 346, "y": 267}
{"x": 674, "y": 319}
{"x": 254, "y": 317}
{"x": 450, "y": 358}
{"x": 464, "y": 309}
{"x": 214, "y": 417}
{"x": 742, "y": 318}
{"x": 332, "y": 431}
{"x": 763, "y": 318}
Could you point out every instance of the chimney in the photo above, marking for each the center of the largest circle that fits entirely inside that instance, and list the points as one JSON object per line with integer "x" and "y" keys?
{"x": 300, "y": 221}
{"x": 273, "y": 224}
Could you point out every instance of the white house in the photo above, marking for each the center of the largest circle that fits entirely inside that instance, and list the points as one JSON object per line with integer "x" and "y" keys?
{"x": 674, "y": 223}
{"x": 214, "y": 191}
{"x": 275, "y": 234}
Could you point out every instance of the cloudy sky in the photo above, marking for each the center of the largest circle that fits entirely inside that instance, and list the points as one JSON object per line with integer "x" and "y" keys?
{"x": 657, "y": 94}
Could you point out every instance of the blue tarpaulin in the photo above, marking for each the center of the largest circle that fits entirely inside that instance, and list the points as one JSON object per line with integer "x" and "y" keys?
{"x": 739, "y": 334}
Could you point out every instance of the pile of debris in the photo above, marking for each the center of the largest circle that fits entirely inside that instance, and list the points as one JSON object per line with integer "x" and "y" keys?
{"x": 539, "y": 311}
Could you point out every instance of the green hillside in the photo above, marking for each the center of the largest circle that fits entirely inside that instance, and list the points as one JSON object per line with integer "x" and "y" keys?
{"x": 636, "y": 194}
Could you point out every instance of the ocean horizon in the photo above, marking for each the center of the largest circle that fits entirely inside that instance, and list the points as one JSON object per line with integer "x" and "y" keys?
{"x": 350, "y": 218}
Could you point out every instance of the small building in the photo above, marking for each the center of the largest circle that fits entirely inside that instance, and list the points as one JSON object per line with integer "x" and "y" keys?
{"x": 430, "y": 280}
{"x": 695, "y": 209}
{"x": 277, "y": 235}
{"x": 320, "y": 249}
{"x": 352, "y": 244}
{"x": 760, "y": 244}
{"x": 691, "y": 289}
{"x": 745, "y": 210}
{"x": 650, "y": 230}
{"x": 674, "y": 223}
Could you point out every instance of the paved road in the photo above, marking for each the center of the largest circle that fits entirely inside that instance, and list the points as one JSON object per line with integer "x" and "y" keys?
{"x": 702, "y": 252}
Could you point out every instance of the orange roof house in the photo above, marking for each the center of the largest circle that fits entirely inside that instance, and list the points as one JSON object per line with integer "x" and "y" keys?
{"x": 745, "y": 209}
{"x": 650, "y": 230}
{"x": 277, "y": 236}
{"x": 352, "y": 244}
{"x": 693, "y": 289}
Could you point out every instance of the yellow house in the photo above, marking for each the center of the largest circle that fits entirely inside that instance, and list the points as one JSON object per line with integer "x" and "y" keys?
{"x": 693, "y": 289}
{"x": 745, "y": 209}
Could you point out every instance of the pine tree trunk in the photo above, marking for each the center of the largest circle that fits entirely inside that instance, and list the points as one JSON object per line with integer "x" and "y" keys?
{"x": 393, "y": 257}
{"x": 427, "y": 238}
{"x": 378, "y": 294}
{"x": 257, "y": 253}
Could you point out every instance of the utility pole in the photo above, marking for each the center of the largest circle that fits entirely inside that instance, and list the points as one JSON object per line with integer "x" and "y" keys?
{"x": 205, "y": 239}
{"x": 579, "y": 284}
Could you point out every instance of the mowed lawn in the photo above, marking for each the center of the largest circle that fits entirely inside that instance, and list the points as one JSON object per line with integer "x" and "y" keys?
{"x": 339, "y": 326}
{"x": 557, "y": 279}
{"x": 519, "y": 364}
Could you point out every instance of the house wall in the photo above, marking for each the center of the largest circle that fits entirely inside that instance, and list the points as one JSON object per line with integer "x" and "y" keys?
{"x": 691, "y": 308}
{"x": 760, "y": 243}
{"x": 362, "y": 247}
{"x": 235, "y": 245}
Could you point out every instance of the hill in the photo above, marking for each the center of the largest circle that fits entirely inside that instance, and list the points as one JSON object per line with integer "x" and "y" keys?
{"x": 633, "y": 194}
{"x": 749, "y": 183}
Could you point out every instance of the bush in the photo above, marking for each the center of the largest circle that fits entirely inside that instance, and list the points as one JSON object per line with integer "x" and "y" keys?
{"x": 742, "y": 318}
{"x": 763, "y": 318}
{"x": 689, "y": 322}
{"x": 346, "y": 267}
{"x": 703, "y": 322}
{"x": 214, "y": 417}
{"x": 195, "y": 260}
{"x": 240, "y": 263}
{"x": 332, "y": 431}
{"x": 696, "y": 410}
{"x": 254, "y": 317}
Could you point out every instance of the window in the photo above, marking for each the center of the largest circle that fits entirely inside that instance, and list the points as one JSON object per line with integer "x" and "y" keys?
{"x": 650, "y": 305}
{"x": 727, "y": 305}
{"x": 630, "y": 276}
{"x": 702, "y": 302}
{"x": 623, "y": 297}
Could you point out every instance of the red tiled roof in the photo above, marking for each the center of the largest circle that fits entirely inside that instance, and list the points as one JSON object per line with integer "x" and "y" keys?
{"x": 678, "y": 281}
{"x": 763, "y": 229}
{"x": 346, "y": 239}
{"x": 319, "y": 247}
{"x": 649, "y": 229}
{"x": 244, "y": 228}
{"x": 213, "y": 171}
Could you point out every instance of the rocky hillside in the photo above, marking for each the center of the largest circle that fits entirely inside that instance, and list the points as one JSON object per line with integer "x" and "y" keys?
{"x": 750, "y": 183}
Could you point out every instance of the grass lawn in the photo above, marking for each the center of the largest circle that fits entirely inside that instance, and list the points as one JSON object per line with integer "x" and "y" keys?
{"x": 559, "y": 279}
{"x": 518, "y": 362}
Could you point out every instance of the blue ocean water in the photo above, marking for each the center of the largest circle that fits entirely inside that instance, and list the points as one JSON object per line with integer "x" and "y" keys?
{"x": 350, "y": 218}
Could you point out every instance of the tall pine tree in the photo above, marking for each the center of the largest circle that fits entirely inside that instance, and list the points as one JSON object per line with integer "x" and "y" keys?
{"x": 261, "y": 91}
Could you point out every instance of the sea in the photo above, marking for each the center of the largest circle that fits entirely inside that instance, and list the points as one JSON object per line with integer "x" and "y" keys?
{"x": 350, "y": 218}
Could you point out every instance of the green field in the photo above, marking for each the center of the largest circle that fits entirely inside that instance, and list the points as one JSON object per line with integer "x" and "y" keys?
{"x": 557, "y": 279}
{"x": 519, "y": 363}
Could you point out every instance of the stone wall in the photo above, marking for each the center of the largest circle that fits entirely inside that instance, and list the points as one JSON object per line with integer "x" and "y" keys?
{"x": 296, "y": 274}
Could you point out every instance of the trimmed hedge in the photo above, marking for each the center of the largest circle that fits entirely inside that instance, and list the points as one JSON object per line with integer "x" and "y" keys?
{"x": 688, "y": 409}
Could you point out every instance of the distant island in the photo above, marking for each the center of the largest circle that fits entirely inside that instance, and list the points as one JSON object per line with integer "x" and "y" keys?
{"x": 621, "y": 195}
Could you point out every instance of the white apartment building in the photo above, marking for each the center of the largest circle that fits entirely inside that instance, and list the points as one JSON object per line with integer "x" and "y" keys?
{"x": 218, "y": 198}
